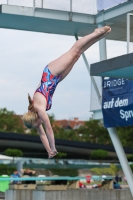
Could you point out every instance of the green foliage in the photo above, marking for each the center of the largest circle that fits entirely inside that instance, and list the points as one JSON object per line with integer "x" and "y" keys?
{"x": 60, "y": 133}
{"x": 131, "y": 167}
{"x": 61, "y": 155}
{"x": 51, "y": 118}
{"x": 99, "y": 154}
{"x": 96, "y": 171}
{"x": 130, "y": 157}
{"x": 33, "y": 132}
{"x": 65, "y": 172}
{"x": 10, "y": 122}
{"x": 112, "y": 170}
{"x": 4, "y": 169}
{"x": 13, "y": 152}
{"x": 125, "y": 135}
{"x": 92, "y": 132}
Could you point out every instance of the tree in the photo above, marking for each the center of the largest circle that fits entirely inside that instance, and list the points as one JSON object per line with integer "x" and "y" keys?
{"x": 99, "y": 154}
{"x": 51, "y": 118}
{"x": 130, "y": 157}
{"x": 13, "y": 152}
{"x": 94, "y": 132}
{"x": 61, "y": 133}
{"x": 112, "y": 170}
{"x": 4, "y": 169}
{"x": 10, "y": 122}
{"x": 125, "y": 135}
{"x": 131, "y": 166}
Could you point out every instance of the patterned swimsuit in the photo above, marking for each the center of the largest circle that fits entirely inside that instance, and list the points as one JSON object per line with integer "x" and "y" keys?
{"x": 48, "y": 86}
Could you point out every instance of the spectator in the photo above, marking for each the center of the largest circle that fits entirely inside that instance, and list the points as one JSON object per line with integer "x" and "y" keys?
{"x": 28, "y": 172}
{"x": 81, "y": 185}
{"x": 117, "y": 178}
{"x": 15, "y": 175}
{"x": 117, "y": 185}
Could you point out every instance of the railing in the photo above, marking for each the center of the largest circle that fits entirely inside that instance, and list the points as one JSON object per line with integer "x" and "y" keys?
{"x": 98, "y": 178}
{"x": 79, "y": 6}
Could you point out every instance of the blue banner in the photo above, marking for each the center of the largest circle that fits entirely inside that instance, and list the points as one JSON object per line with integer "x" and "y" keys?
{"x": 117, "y": 102}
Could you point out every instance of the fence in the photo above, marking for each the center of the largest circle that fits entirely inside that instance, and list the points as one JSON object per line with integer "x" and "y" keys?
{"x": 79, "y": 6}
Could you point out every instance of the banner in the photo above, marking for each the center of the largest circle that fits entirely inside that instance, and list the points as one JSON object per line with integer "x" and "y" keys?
{"x": 117, "y": 102}
{"x": 106, "y": 4}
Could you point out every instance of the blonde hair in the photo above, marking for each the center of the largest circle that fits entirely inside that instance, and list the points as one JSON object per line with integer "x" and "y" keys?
{"x": 29, "y": 118}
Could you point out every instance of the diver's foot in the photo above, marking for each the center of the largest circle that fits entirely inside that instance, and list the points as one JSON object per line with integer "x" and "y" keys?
{"x": 103, "y": 31}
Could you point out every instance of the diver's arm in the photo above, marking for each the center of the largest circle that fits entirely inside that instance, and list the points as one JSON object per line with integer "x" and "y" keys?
{"x": 43, "y": 137}
{"x": 49, "y": 131}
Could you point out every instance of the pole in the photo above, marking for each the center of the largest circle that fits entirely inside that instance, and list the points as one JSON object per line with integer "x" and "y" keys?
{"x": 128, "y": 31}
{"x": 34, "y": 6}
{"x": 122, "y": 157}
{"x": 70, "y": 14}
{"x": 112, "y": 131}
{"x": 92, "y": 78}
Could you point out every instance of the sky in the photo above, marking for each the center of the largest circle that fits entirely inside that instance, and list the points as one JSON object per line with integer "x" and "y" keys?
{"x": 23, "y": 56}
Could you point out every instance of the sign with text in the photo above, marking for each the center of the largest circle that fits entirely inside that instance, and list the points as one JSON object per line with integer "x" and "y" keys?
{"x": 117, "y": 102}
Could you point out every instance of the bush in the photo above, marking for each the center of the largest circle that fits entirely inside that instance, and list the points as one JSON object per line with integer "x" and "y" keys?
{"x": 96, "y": 171}
{"x": 131, "y": 167}
{"x": 65, "y": 172}
{"x": 99, "y": 154}
{"x": 112, "y": 170}
{"x": 4, "y": 169}
{"x": 61, "y": 155}
{"x": 130, "y": 157}
{"x": 13, "y": 152}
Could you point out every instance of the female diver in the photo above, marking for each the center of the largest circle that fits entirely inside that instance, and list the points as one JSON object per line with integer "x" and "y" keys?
{"x": 53, "y": 73}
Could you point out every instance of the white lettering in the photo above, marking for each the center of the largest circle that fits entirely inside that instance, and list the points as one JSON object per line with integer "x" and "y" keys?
{"x": 126, "y": 114}
{"x": 125, "y": 102}
{"x": 108, "y": 104}
{"x": 105, "y": 106}
{"x": 118, "y": 103}
{"x": 122, "y": 114}
{"x": 113, "y": 83}
{"x": 108, "y": 83}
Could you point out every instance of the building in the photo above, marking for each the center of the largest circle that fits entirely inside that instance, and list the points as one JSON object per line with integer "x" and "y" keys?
{"x": 69, "y": 124}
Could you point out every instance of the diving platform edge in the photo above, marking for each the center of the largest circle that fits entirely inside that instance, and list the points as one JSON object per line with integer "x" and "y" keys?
{"x": 120, "y": 67}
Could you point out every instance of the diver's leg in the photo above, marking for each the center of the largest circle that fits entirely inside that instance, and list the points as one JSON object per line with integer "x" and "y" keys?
{"x": 64, "y": 63}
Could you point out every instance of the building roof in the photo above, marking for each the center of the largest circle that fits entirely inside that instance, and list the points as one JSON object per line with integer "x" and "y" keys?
{"x": 73, "y": 124}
